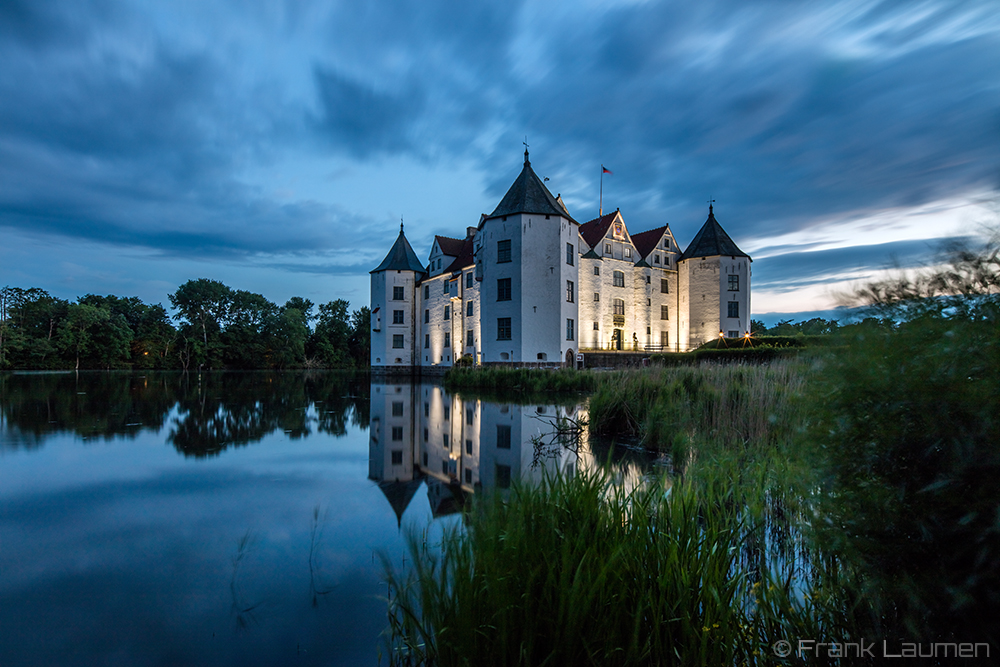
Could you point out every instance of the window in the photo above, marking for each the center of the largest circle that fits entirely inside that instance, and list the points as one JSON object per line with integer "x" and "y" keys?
{"x": 503, "y": 436}
{"x": 664, "y": 313}
{"x": 647, "y": 280}
{"x": 446, "y": 441}
{"x": 397, "y": 409}
{"x": 656, "y": 259}
{"x": 447, "y": 312}
{"x": 597, "y": 297}
{"x": 569, "y": 291}
{"x": 427, "y": 341}
{"x": 468, "y": 448}
{"x": 397, "y": 317}
{"x": 468, "y": 309}
{"x": 607, "y": 248}
{"x": 445, "y": 285}
{"x": 397, "y": 293}
{"x": 666, "y": 243}
{"x": 619, "y": 278}
{"x": 734, "y": 309}
{"x": 503, "y": 289}
{"x": 649, "y": 302}
{"x": 647, "y": 331}
{"x": 597, "y": 270}
{"x": 397, "y": 457}
{"x": 628, "y": 252}
{"x": 597, "y": 327}
{"x": 427, "y": 316}
{"x": 397, "y": 340}
{"x": 468, "y": 280}
{"x": 447, "y": 339}
{"x": 469, "y": 414}
{"x": 664, "y": 286}
{"x": 503, "y": 477}
{"x": 468, "y": 476}
{"x": 734, "y": 283}
{"x": 469, "y": 340}
{"x": 570, "y": 335}
{"x": 664, "y": 340}
{"x": 427, "y": 413}
{"x": 503, "y": 328}
{"x": 427, "y": 291}
{"x": 503, "y": 251}
{"x": 569, "y": 254}
{"x": 732, "y": 334}
{"x": 397, "y": 433}
{"x": 447, "y": 412}
{"x": 619, "y": 307}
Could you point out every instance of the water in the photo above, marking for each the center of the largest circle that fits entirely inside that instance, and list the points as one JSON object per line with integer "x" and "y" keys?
{"x": 235, "y": 518}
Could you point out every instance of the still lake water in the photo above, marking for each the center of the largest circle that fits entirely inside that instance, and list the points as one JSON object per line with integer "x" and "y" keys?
{"x": 237, "y": 518}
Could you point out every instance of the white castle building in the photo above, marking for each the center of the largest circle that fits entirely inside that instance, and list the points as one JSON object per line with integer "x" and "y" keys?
{"x": 531, "y": 285}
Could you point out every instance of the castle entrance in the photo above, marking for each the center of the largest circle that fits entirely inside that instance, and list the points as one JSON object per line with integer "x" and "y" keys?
{"x": 616, "y": 339}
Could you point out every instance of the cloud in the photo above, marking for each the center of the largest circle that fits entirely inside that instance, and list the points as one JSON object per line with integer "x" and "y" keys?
{"x": 800, "y": 269}
{"x": 149, "y": 125}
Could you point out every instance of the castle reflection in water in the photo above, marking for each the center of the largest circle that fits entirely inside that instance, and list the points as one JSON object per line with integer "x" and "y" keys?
{"x": 422, "y": 434}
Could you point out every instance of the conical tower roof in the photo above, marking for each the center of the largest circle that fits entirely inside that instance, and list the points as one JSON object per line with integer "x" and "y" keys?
{"x": 712, "y": 240}
{"x": 401, "y": 257}
{"x": 528, "y": 194}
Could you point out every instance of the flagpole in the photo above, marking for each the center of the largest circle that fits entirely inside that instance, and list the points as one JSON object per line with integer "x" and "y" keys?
{"x": 600, "y": 206}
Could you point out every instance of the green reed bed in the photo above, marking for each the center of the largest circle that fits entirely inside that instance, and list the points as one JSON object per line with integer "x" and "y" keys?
{"x": 519, "y": 380}
{"x": 669, "y": 408}
{"x": 576, "y": 572}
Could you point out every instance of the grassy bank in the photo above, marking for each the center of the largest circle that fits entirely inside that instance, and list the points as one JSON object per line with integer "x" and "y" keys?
{"x": 840, "y": 497}
{"x": 519, "y": 380}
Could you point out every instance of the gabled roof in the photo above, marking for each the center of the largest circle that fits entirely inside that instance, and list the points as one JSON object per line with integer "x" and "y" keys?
{"x": 529, "y": 195}
{"x": 645, "y": 242}
{"x": 465, "y": 256}
{"x": 594, "y": 230}
{"x": 401, "y": 257}
{"x": 449, "y": 246}
{"x": 712, "y": 240}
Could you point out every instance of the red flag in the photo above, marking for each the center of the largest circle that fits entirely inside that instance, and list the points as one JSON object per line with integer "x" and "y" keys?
{"x": 605, "y": 170}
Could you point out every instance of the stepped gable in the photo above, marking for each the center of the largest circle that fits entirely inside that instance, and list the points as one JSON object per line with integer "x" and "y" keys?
{"x": 449, "y": 246}
{"x": 401, "y": 257}
{"x": 594, "y": 230}
{"x": 529, "y": 195}
{"x": 712, "y": 240}
{"x": 645, "y": 242}
{"x": 465, "y": 256}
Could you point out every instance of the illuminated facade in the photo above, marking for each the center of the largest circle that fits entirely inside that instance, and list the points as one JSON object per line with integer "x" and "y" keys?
{"x": 530, "y": 285}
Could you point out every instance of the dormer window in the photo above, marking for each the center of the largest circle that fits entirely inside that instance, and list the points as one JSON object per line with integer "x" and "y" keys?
{"x": 628, "y": 252}
{"x": 656, "y": 259}
{"x": 607, "y": 248}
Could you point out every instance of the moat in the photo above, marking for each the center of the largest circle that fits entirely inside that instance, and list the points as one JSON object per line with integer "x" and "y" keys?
{"x": 237, "y": 518}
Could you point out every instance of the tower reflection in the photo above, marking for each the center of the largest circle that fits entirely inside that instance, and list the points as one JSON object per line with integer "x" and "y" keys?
{"x": 459, "y": 446}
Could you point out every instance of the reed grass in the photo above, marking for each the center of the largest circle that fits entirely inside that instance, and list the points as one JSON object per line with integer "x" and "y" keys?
{"x": 576, "y": 571}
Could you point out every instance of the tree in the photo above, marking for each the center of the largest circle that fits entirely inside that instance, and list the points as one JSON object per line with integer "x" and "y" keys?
{"x": 361, "y": 336}
{"x": 329, "y": 342}
{"x": 76, "y": 331}
{"x": 204, "y": 304}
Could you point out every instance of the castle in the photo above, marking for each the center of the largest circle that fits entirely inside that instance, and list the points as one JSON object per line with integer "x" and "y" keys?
{"x": 532, "y": 286}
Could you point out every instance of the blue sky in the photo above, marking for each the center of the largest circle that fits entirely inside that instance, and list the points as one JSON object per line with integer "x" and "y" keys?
{"x": 276, "y": 145}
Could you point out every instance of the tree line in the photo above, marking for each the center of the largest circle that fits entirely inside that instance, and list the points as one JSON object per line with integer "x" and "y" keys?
{"x": 214, "y": 327}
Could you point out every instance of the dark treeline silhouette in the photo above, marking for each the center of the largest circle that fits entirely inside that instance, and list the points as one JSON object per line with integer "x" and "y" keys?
{"x": 217, "y": 327}
{"x": 204, "y": 413}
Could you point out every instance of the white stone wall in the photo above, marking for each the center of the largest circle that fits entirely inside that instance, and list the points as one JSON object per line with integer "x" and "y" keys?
{"x": 382, "y": 351}
{"x": 705, "y": 299}
{"x": 740, "y": 267}
{"x": 391, "y": 430}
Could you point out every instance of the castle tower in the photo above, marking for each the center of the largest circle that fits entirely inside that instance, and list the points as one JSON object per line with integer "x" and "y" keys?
{"x": 714, "y": 287}
{"x": 527, "y": 255}
{"x": 393, "y": 304}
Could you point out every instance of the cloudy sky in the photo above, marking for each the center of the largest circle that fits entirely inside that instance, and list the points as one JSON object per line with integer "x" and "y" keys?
{"x": 276, "y": 145}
